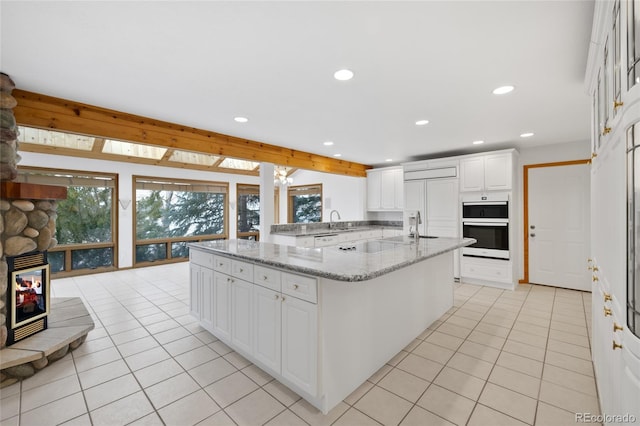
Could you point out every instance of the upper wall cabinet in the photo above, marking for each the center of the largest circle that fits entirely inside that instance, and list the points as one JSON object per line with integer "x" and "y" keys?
{"x": 488, "y": 172}
{"x": 385, "y": 189}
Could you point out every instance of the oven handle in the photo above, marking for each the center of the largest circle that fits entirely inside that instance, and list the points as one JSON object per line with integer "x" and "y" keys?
{"x": 484, "y": 203}
{"x": 486, "y": 223}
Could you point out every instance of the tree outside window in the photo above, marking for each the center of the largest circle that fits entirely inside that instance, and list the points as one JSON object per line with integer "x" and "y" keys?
{"x": 85, "y": 219}
{"x": 170, "y": 214}
{"x": 248, "y": 211}
{"x": 305, "y": 203}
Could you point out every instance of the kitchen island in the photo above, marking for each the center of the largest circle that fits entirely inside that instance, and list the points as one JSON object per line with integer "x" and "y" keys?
{"x": 321, "y": 320}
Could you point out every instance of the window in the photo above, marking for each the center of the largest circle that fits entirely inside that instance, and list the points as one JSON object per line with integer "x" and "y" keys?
{"x": 305, "y": 203}
{"x": 169, "y": 214}
{"x": 85, "y": 224}
{"x": 248, "y": 212}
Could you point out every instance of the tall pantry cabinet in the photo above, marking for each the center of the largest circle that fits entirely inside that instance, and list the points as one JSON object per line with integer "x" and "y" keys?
{"x": 613, "y": 81}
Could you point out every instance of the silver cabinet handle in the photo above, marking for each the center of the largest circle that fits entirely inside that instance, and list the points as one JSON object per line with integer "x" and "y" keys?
{"x": 533, "y": 235}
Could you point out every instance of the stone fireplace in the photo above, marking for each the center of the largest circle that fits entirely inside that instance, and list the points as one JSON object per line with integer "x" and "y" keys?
{"x": 28, "y": 215}
{"x": 34, "y": 328}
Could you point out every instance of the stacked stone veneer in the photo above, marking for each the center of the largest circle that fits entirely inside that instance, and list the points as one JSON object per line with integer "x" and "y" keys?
{"x": 25, "y": 226}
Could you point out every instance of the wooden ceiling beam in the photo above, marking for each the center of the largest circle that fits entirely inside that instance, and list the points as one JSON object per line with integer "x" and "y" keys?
{"x": 48, "y": 112}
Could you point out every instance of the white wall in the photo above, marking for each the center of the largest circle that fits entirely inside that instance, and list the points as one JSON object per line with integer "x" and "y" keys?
{"x": 539, "y": 155}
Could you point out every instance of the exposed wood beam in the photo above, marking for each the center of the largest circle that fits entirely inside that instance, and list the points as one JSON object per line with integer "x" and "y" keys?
{"x": 47, "y": 112}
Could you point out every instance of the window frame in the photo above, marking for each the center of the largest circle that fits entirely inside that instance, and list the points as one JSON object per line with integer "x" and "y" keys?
{"x": 295, "y": 190}
{"x": 243, "y": 189}
{"x": 168, "y": 241}
{"x": 69, "y": 249}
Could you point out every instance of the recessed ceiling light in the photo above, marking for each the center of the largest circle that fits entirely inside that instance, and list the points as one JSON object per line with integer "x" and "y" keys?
{"x": 422, "y": 122}
{"x": 502, "y": 90}
{"x": 337, "y": 155}
{"x": 343, "y": 75}
{"x": 241, "y": 119}
{"x": 327, "y": 143}
{"x": 526, "y": 135}
{"x": 477, "y": 142}
{"x": 388, "y": 160}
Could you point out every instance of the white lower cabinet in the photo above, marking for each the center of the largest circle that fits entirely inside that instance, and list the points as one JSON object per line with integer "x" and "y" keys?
{"x": 221, "y": 306}
{"x": 201, "y": 294}
{"x": 272, "y": 319}
{"x": 267, "y": 326}
{"x": 241, "y": 314}
{"x": 300, "y": 343}
{"x": 195, "y": 303}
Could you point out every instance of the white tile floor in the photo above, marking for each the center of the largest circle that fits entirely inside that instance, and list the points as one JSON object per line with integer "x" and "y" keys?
{"x": 497, "y": 358}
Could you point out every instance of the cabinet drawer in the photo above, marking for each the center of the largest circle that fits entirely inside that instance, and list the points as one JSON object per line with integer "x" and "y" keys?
{"x": 222, "y": 264}
{"x": 201, "y": 258}
{"x": 267, "y": 277}
{"x": 304, "y": 288}
{"x": 488, "y": 270}
{"x": 242, "y": 270}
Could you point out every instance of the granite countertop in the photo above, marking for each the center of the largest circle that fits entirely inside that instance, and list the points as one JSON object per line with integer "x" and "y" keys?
{"x": 324, "y": 231}
{"x": 365, "y": 261}
{"x": 323, "y": 228}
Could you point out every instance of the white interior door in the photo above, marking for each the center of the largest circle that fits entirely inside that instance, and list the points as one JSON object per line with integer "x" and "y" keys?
{"x": 559, "y": 226}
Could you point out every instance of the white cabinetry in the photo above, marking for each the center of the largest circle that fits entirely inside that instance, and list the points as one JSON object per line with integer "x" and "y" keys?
{"x": 267, "y": 315}
{"x": 385, "y": 189}
{"x": 489, "y": 172}
{"x": 300, "y": 343}
{"x": 221, "y": 306}
{"x": 241, "y": 314}
{"x": 201, "y": 287}
{"x": 292, "y": 240}
{"x": 613, "y": 56}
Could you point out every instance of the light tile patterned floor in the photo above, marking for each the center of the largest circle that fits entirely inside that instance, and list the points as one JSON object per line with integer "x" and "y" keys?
{"x": 496, "y": 358}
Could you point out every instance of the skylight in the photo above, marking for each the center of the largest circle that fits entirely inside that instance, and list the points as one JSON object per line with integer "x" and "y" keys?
{"x": 232, "y": 163}
{"x": 133, "y": 149}
{"x": 188, "y": 157}
{"x": 55, "y": 139}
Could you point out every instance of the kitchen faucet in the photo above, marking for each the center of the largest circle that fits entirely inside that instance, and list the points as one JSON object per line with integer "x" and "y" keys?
{"x": 417, "y": 220}
{"x": 331, "y": 224}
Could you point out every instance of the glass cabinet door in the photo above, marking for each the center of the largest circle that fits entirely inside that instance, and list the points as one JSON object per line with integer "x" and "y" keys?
{"x": 616, "y": 58}
{"x": 633, "y": 43}
{"x": 633, "y": 227}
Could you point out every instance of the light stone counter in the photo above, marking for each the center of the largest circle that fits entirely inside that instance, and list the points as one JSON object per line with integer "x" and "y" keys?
{"x": 365, "y": 261}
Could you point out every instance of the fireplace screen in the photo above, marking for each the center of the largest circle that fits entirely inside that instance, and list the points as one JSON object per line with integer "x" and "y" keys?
{"x": 30, "y": 291}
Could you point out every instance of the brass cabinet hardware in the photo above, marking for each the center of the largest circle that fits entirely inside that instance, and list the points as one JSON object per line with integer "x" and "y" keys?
{"x": 593, "y": 155}
{"x": 606, "y": 131}
{"x": 595, "y": 269}
{"x": 277, "y": 297}
{"x": 607, "y": 297}
{"x": 616, "y": 345}
{"x": 617, "y": 327}
{"x": 594, "y": 278}
{"x": 617, "y": 104}
{"x": 607, "y": 312}
{"x": 295, "y": 286}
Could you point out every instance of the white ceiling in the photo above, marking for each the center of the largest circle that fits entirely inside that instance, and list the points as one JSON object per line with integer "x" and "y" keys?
{"x": 202, "y": 63}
